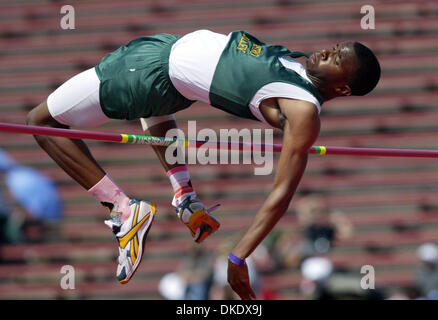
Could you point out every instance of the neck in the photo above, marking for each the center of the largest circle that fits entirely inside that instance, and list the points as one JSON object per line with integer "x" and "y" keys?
{"x": 318, "y": 83}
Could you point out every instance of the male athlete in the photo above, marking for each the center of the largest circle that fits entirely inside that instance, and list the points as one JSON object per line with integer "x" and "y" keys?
{"x": 152, "y": 78}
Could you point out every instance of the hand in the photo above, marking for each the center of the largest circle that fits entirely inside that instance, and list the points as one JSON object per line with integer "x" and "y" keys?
{"x": 238, "y": 279}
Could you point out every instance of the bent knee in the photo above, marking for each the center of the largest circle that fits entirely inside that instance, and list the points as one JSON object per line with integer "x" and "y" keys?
{"x": 31, "y": 118}
{"x": 40, "y": 116}
{"x": 34, "y": 116}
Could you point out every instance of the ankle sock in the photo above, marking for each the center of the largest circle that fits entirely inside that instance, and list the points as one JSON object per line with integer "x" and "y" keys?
{"x": 112, "y": 197}
{"x": 182, "y": 187}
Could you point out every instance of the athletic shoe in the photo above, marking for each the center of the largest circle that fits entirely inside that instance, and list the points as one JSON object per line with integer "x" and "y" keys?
{"x": 131, "y": 236}
{"x": 194, "y": 215}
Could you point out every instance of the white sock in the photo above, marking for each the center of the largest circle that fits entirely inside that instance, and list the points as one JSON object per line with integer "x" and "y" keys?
{"x": 182, "y": 187}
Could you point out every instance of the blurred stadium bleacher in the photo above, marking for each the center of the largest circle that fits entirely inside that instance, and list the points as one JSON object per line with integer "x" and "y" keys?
{"x": 391, "y": 202}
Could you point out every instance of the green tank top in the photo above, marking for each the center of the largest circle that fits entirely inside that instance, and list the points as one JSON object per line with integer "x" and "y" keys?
{"x": 245, "y": 66}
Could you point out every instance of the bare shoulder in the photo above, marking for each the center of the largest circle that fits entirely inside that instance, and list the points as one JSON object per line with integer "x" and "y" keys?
{"x": 301, "y": 126}
{"x": 293, "y": 109}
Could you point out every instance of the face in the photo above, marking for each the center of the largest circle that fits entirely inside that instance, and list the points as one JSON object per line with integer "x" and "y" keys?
{"x": 333, "y": 66}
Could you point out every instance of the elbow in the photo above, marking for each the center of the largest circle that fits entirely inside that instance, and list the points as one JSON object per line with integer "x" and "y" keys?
{"x": 300, "y": 152}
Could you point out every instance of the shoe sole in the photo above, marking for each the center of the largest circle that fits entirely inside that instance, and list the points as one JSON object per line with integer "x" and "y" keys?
{"x": 142, "y": 238}
{"x": 207, "y": 225}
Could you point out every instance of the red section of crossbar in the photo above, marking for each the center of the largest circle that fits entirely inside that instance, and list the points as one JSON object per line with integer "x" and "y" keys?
{"x": 66, "y": 133}
{"x": 380, "y": 152}
{"x": 237, "y": 146}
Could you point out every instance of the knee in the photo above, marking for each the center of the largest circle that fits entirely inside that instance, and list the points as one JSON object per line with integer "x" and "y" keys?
{"x": 31, "y": 118}
{"x": 40, "y": 116}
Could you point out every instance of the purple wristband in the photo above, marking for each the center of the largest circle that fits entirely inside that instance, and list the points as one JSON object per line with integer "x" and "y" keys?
{"x": 236, "y": 260}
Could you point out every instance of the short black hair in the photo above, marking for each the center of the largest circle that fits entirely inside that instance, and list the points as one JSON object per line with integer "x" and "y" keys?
{"x": 367, "y": 75}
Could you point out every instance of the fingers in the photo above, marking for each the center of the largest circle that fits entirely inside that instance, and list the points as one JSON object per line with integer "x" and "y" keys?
{"x": 244, "y": 291}
{"x": 252, "y": 294}
{"x": 248, "y": 296}
{"x": 238, "y": 279}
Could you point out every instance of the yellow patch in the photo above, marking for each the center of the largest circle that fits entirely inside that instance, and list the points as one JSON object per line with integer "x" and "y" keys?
{"x": 136, "y": 245}
{"x": 133, "y": 257}
{"x": 243, "y": 43}
{"x": 123, "y": 241}
{"x": 255, "y": 50}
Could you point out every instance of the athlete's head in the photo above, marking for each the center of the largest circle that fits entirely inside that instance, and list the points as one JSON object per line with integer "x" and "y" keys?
{"x": 349, "y": 68}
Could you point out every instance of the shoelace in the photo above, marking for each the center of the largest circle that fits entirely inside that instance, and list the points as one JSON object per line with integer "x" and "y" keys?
{"x": 115, "y": 223}
{"x": 116, "y": 218}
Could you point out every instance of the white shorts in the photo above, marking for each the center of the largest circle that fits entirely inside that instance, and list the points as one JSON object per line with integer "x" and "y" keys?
{"x": 76, "y": 102}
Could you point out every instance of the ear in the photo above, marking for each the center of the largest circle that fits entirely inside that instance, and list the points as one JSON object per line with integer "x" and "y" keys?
{"x": 344, "y": 90}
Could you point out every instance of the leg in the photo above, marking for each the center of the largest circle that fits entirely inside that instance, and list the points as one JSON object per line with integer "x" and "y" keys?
{"x": 177, "y": 173}
{"x": 159, "y": 129}
{"x": 189, "y": 209}
{"x": 76, "y": 103}
{"x": 72, "y": 155}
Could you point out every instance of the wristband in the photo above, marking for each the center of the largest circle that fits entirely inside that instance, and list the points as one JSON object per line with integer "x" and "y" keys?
{"x": 236, "y": 260}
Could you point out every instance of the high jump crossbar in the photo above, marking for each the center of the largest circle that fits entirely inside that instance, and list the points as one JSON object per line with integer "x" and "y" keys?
{"x": 164, "y": 141}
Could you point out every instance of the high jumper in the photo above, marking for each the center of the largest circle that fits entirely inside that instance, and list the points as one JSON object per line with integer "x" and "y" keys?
{"x": 151, "y": 78}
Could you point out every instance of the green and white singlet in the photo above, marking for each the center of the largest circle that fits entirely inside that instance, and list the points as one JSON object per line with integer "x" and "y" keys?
{"x": 166, "y": 73}
{"x": 209, "y": 67}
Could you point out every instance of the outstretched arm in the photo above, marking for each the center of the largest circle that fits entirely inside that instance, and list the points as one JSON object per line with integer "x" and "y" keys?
{"x": 301, "y": 129}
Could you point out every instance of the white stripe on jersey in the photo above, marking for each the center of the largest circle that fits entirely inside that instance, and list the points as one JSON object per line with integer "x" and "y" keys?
{"x": 192, "y": 63}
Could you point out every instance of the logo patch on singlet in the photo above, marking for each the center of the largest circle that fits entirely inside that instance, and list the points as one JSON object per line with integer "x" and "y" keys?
{"x": 244, "y": 44}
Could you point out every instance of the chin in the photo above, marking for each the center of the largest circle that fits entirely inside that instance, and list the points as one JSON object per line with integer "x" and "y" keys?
{"x": 307, "y": 64}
